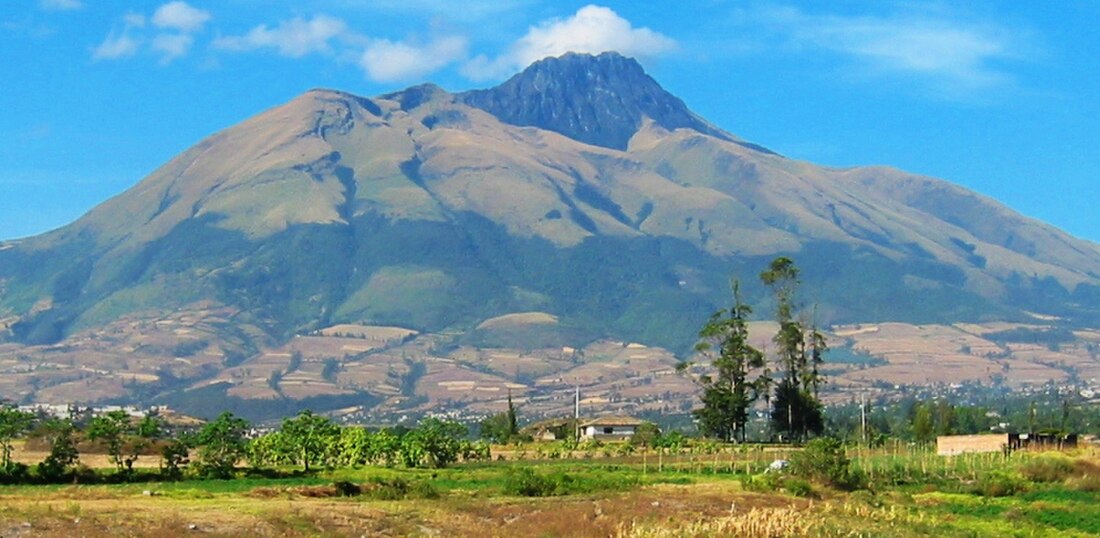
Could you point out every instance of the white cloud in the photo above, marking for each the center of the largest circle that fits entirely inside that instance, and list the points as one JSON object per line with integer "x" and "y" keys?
{"x": 952, "y": 53}
{"x": 294, "y": 38}
{"x": 60, "y": 5}
{"x": 180, "y": 16}
{"x": 117, "y": 45}
{"x": 172, "y": 46}
{"x": 180, "y": 21}
{"x": 592, "y": 29}
{"x": 134, "y": 20}
{"x": 388, "y": 61}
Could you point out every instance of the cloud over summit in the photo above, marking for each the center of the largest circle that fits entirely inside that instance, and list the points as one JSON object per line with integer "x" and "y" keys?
{"x": 592, "y": 29}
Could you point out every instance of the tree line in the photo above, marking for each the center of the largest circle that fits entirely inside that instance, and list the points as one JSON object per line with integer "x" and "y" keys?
{"x": 922, "y": 420}
{"x": 219, "y": 447}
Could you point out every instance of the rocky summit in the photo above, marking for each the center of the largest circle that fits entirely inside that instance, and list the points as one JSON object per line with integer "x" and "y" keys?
{"x": 578, "y": 203}
{"x": 600, "y": 100}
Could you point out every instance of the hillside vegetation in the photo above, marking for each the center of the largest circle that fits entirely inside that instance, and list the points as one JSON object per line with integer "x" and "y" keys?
{"x": 444, "y": 213}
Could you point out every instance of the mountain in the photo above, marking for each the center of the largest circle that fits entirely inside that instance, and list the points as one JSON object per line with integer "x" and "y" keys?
{"x": 578, "y": 193}
{"x": 600, "y": 100}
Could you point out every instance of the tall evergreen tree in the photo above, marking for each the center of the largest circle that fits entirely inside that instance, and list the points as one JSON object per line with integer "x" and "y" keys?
{"x": 501, "y": 427}
{"x": 795, "y": 408}
{"x": 795, "y": 411}
{"x": 728, "y": 394}
{"x": 818, "y": 346}
{"x": 513, "y": 424}
{"x": 782, "y": 277}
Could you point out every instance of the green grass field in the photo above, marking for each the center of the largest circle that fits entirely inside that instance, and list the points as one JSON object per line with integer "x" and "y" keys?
{"x": 907, "y": 492}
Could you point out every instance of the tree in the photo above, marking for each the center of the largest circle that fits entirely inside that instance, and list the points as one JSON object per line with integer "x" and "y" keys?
{"x": 818, "y": 346}
{"x": 110, "y": 429}
{"x": 222, "y": 444}
{"x": 13, "y": 423}
{"x": 782, "y": 277}
{"x": 728, "y": 394}
{"x": 646, "y": 434}
{"x": 125, "y": 440}
{"x": 307, "y": 437}
{"x": 271, "y": 449}
{"x": 796, "y": 411}
{"x": 923, "y": 427}
{"x": 501, "y": 427}
{"x": 434, "y": 443}
{"x": 63, "y": 453}
{"x": 385, "y": 447}
{"x": 796, "y": 407}
{"x": 174, "y": 454}
{"x": 513, "y": 424}
{"x": 946, "y": 422}
{"x": 331, "y": 369}
{"x": 353, "y": 448}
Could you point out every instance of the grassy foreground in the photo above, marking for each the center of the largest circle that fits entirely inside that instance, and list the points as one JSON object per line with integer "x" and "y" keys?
{"x": 1025, "y": 495}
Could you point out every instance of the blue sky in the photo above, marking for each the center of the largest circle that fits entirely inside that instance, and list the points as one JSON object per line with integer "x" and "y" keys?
{"x": 1000, "y": 97}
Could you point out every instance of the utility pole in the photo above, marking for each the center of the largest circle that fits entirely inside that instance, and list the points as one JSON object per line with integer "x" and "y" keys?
{"x": 577, "y": 412}
{"x": 790, "y": 422}
{"x": 862, "y": 418}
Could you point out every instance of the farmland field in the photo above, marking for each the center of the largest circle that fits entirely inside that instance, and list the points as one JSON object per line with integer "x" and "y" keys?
{"x": 702, "y": 491}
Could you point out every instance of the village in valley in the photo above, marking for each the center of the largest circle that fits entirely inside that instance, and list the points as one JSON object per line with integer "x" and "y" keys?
{"x": 604, "y": 427}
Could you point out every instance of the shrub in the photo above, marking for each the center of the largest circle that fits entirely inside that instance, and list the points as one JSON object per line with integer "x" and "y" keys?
{"x": 764, "y": 483}
{"x": 1086, "y": 483}
{"x": 1047, "y": 468}
{"x": 1000, "y": 484}
{"x": 14, "y": 473}
{"x": 798, "y": 487}
{"x": 1083, "y": 467}
{"x": 525, "y": 482}
{"x": 393, "y": 489}
{"x": 386, "y": 489}
{"x": 823, "y": 460}
{"x": 422, "y": 490}
{"x": 82, "y": 474}
{"x": 867, "y": 498}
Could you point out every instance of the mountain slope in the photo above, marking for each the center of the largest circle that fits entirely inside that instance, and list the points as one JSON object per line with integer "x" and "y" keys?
{"x": 579, "y": 189}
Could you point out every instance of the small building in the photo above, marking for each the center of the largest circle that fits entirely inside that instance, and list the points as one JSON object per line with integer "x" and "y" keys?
{"x": 614, "y": 428}
{"x": 550, "y": 429}
{"x": 950, "y": 445}
{"x": 1047, "y": 441}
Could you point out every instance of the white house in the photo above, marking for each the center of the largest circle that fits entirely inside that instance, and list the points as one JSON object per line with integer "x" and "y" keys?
{"x": 614, "y": 428}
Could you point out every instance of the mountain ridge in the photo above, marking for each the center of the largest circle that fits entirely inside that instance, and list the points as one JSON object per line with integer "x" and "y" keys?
{"x": 421, "y": 210}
